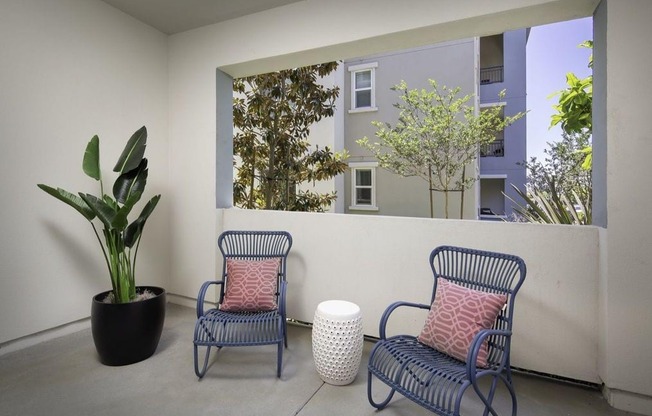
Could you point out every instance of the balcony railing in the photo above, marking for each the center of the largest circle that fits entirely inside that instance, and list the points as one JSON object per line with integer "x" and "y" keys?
{"x": 493, "y": 149}
{"x": 491, "y": 75}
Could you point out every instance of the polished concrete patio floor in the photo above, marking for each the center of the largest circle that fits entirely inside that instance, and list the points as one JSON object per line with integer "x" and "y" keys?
{"x": 63, "y": 377}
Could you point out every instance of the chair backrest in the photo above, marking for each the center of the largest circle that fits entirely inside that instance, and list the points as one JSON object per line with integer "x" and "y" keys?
{"x": 486, "y": 271}
{"x": 252, "y": 245}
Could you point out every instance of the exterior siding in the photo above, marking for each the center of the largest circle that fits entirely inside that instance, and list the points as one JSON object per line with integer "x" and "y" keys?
{"x": 450, "y": 64}
{"x": 515, "y": 143}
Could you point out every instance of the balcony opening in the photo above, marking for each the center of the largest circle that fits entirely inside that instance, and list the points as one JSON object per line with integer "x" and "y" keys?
{"x": 497, "y": 147}
{"x": 492, "y": 201}
{"x": 491, "y": 59}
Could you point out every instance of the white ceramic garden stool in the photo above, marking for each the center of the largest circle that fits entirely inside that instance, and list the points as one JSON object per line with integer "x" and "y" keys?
{"x": 337, "y": 341}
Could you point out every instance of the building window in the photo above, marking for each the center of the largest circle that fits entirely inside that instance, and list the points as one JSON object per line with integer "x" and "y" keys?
{"x": 363, "y": 87}
{"x": 363, "y": 186}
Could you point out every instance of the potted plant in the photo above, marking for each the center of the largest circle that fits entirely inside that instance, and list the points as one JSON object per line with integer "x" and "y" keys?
{"x": 126, "y": 321}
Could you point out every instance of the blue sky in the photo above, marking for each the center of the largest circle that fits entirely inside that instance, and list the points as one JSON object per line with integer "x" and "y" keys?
{"x": 552, "y": 51}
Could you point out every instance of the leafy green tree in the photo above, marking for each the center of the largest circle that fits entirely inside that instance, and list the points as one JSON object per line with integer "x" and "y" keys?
{"x": 438, "y": 134}
{"x": 574, "y": 110}
{"x": 559, "y": 188}
{"x": 272, "y": 114}
{"x": 563, "y": 160}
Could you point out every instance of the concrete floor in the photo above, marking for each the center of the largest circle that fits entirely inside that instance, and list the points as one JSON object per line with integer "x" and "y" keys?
{"x": 64, "y": 377}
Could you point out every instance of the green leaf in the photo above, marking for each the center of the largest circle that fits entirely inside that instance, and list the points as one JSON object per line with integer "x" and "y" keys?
{"x": 135, "y": 229}
{"x": 129, "y": 205}
{"x": 587, "y": 164}
{"x": 133, "y": 152}
{"x": 71, "y": 199}
{"x": 91, "y": 163}
{"x": 105, "y": 212}
{"x": 131, "y": 183}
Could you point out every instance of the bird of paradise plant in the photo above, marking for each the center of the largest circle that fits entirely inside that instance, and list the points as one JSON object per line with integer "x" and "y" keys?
{"x": 121, "y": 238}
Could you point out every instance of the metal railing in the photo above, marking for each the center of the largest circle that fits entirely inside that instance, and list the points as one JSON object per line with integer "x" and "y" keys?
{"x": 491, "y": 74}
{"x": 493, "y": 149}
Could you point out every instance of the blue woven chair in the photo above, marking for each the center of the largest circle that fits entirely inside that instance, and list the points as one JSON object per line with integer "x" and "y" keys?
{"x": 431, "y": 378}
{"x": 220, "y": 328}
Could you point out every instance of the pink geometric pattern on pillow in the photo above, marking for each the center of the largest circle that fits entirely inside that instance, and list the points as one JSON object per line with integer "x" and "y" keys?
{"x": 456, "y": 316}
{"x": 250, "y": 285}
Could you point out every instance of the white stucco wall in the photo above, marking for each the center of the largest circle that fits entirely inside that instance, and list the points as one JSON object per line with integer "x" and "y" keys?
{"x": 71, "y": 69}
{"x": 623, "y": 140}
{"x": 374, "y": 261}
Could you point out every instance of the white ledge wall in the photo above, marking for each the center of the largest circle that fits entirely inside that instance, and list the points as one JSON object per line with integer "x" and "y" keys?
{"x": 374, "y": 261}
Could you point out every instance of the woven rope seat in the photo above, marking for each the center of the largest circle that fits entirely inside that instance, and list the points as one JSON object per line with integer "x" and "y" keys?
{"x": 418, "y": 372}
{"x": 226, "y": 329}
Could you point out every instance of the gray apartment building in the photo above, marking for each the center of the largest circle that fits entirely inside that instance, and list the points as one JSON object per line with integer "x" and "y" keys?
{"x": 479, "y": 66}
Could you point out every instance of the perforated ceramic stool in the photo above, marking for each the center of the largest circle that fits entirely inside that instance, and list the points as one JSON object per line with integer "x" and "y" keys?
{"x": 337, "y": 341}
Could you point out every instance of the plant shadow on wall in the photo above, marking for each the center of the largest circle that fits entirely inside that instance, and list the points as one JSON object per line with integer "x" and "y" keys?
{"x": 127, "y": 320}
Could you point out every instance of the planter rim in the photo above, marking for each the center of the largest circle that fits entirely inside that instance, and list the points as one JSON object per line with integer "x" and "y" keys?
{"x": 158, "y": 291}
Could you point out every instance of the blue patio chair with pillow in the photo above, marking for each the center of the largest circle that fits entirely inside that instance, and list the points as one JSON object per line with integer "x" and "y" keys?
{"x": 251, "y": 302}
{"x": 466, "y": 336}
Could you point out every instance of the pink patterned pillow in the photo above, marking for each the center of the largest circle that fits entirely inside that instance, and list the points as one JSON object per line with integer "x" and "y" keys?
{"x": 456, "y": 316}
{"x": 250, "y": 285}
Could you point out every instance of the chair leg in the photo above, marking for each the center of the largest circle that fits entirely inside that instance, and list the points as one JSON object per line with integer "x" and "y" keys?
{"x": 382, "y": 404}
{"x": 201, "y": 373}
{"x": 279, "y": 359}
{"x": 488, "y": 400}
{"x": 285, "y": 333}
{"x": 510, "y": 387}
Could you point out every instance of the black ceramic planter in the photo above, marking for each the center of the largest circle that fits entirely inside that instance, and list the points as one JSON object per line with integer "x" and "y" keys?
{"x": 129, "y": 332}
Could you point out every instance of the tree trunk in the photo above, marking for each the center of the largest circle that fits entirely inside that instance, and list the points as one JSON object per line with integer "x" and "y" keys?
{"x": 462, "y": 195}
{"x": 269, "y": 178}
{"x": 432, "y": 213}
{"x": 250, "y": 204}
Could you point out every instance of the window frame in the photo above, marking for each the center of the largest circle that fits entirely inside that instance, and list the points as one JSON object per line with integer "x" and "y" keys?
{"x": 355, "y": 166}
{"x": 353, "y": 70}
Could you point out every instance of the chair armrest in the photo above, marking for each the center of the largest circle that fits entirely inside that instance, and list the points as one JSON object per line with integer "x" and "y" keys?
{"x": 391, "y": 308}
{"x": 202, "y": 295}
{"x": 476, "y": 344}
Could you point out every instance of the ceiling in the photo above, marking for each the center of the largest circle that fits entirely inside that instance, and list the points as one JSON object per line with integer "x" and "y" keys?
{"x": 174, "y": 16}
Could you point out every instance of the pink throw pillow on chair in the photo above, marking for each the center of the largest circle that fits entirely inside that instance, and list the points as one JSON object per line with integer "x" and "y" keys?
{"x": 456, "y": 316}
{"x": 250, "y": 285}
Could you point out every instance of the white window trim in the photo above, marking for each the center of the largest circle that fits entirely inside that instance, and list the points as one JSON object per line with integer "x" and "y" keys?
{"x": 494, "y": 104}
{"x": 363, "y": 165}
{"x": 363, "y": 67}
{"x": 493, "y": 176}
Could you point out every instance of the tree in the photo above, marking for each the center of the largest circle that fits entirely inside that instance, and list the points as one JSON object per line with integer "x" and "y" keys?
{"x": 438, "y": 134}
{"x": 563, "y": 161}
{"x": 272, "y": 114}
{"x": 574, "y": 110}
{"x": 559, "y": 190}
